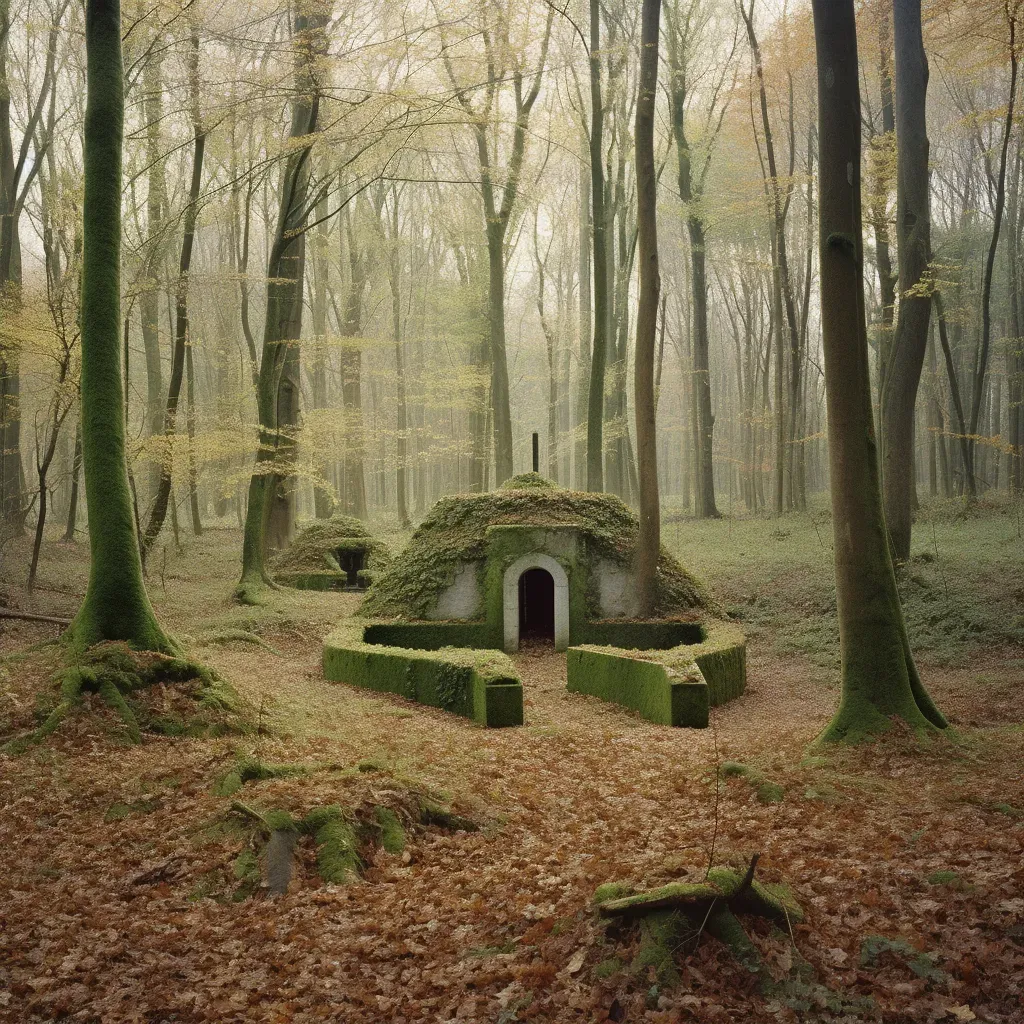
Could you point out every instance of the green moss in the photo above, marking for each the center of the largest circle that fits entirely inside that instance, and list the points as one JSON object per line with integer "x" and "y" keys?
{"x": 640, "y": 683}
{"x": 607, "y": 968}
{"x": 611, "y": 891}
{"x": 950, "y": 879}
{"x": 433, "y": 814}
{"x": 392, "y": 835}
{"x": 117, "y": 672}
{"x": 478, "y": 684}
{"x": 311, "y": 562}
{"x": 456, "y": 532}
{"x": 337, "y": 853}
{"x": 874, "y": 947}
{"x": 661, "y": 935}
{"x": 246, "y": 871}
{"x": 767, "y": 792}
{"x": 249, "y": 768}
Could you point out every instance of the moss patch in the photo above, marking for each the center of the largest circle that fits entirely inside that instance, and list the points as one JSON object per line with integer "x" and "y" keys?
{"x": 478, "y": 684}
{"x": 314, "y": 559}
{"x": 767, "y": 792}
{"x": 672, "y": 687}
{"x": 249, "y": 768}
{"x": 148, "y": 691}
{"x": 455, "y": 532}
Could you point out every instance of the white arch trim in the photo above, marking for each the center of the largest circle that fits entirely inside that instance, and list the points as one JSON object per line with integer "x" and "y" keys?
{"x": 510, "y": 594}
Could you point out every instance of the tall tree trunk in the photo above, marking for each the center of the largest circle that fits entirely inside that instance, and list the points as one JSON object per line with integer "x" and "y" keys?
{"x": 76, "y": 468}
{"x": 353, "y": 497}
{"x": 181, "y": 327}
{"x": 190, "y": 428}
{"x": 270, "y": 512}
{"x": 149, "y": 297}
{"x": 880, "y": 679}
{"x": 780, "y": 258}
{"x": 913, "y": 226}
{"x": 599, "y": 350}
{"x": 323, "y": 503}
{"x": 997, "y": 220}
{"x": 580, "y": 419}
{"x": 116, "y": 606}
{"x": 880, "y": 160}
{"x": 648, "y": 545}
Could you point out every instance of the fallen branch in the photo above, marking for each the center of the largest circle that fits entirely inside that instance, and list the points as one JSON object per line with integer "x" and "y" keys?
{"x": 5, "y": 613}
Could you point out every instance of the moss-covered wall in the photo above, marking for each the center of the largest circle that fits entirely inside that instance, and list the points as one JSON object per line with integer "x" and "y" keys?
{"x": 478, "y": 684}
{"x": 639, "y": 636}
{"x": 647, "y": 687}
{"x": 432, "y": 636}
{"x": 677, "y": 686}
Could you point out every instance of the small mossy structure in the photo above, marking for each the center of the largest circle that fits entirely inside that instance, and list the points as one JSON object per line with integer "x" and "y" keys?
{"x": 486, "y": 571}
{"x": 332, "y": 554}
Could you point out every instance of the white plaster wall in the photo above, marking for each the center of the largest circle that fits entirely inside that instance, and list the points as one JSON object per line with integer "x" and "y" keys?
{"x": 462, "y": 599}
{"x": 617, "y": 592}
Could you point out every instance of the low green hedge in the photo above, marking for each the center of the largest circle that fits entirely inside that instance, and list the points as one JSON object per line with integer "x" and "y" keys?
{"x": 673, "y": 687}
{"x": 477, "y": 684}
{"x": 432, "y": 636}
{"x": 640, "y": 636}
{"x": 322, "y": 579}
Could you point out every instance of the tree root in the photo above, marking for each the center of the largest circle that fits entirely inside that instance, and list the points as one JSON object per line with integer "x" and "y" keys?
{"x": 249, "y": 768}
{"x": 673, "y": 915}
{"x": 118, "y": 674}
{"x": 344, "y": 840}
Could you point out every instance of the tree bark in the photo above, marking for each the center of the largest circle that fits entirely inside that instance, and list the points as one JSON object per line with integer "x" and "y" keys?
{"x": 116, "y": 606}
{"x": 270, "y": 512}
{"x": 181, "y": 327}
{"x": 879, "y": 677}
{"x": 599, "y": 349}
{"x": 913, "y": 227}
{"x": 648, "y": 545}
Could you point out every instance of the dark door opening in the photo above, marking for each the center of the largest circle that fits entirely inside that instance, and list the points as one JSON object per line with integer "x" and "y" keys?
{"x": 536, "y": 605}
{"x": 351, "y": 562}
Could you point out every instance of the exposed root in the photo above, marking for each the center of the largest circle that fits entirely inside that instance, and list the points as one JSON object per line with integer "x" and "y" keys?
{"x": 122, "y": 677}
{"x": 249, "y": 768}
{"x": 674, "y": 917}
{"x": 344, "y": 840}
{"x": 241, "y": 636}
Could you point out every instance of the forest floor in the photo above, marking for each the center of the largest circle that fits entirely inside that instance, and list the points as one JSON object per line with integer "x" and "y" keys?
{"x": 118, "y": 860}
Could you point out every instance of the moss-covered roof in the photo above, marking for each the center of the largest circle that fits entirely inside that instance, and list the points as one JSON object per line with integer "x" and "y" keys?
{"x": 455, "y": 531}
{"x": 315, "y": 547}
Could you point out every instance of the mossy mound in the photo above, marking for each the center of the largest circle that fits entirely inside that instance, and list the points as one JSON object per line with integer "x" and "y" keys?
{"x": 315, "y": 560}
{"x": 455, "y": 532}
{"x": 344, "y": 839}
{"x": 148, "y": 691}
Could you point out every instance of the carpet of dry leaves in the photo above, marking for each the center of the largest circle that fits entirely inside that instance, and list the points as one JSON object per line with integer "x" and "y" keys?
{"x": 113, "y": 861}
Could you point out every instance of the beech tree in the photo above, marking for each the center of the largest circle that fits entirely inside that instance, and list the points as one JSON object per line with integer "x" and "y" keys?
{"x": 879, "y": 677}
{"x": 116, "y": 605}
{"x": 649, "y": 541}
{"x": 913, "y": 229}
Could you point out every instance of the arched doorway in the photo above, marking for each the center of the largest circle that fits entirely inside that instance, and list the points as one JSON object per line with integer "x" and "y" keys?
{"x": 520, "y": 591}
{"x": 536, "y": 606}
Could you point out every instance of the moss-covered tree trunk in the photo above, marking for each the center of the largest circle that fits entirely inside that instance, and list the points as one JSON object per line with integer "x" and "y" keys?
{"x": 599, "y": 350}
{"x": 116, "y": 606}
{"x": 270, "y": 514}
{"x": 880, "y": 680}
{"x": 649, "y": 541}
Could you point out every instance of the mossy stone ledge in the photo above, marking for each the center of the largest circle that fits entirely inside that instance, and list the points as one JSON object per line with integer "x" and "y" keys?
{"x": 478, "y": 684}
{"x": 678, "y": 686}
